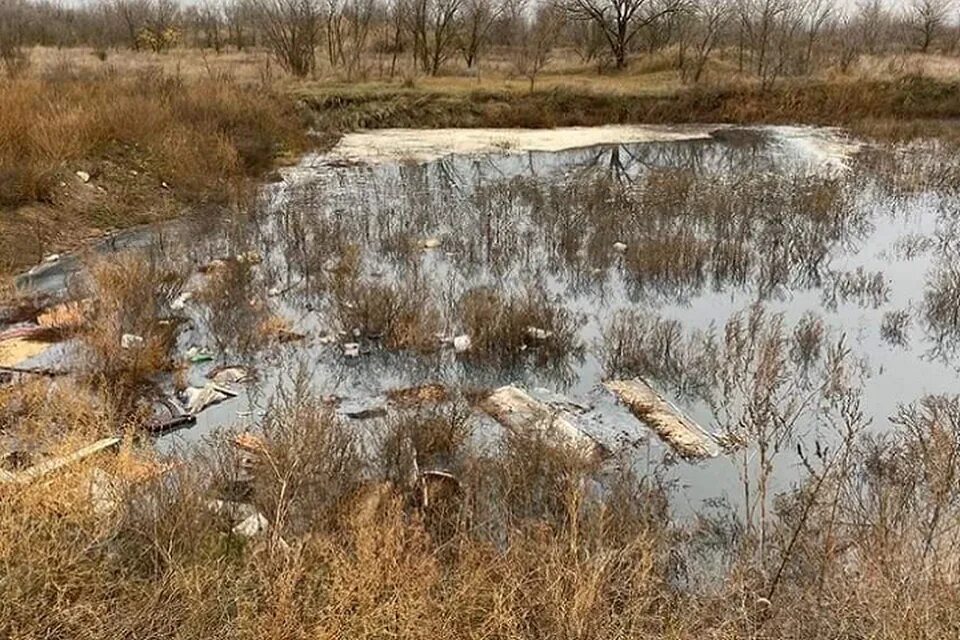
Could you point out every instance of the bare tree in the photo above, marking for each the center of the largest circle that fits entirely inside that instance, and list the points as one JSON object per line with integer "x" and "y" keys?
{"x": 620, "y": 20}
{"x": 347, "y": 30}
{"x": 816, "y": 15}
{"x": 236, "y": 15}
{"x": 159, "y": 31}
{"x": 768, "y": 31}
{"x": 478, "y": 17}
{"x": 710, "y": 19}
{"x": 210, "y": 15}
{"x": 133, "y": 14}
{"x": 433, "y": 25}
{"x": 533, "y": 52}
{"x": 290, "y": 28}
{"x": 873, "y": 24}
{"x": 927, "y": 18}
{"x": 13, "y": 25}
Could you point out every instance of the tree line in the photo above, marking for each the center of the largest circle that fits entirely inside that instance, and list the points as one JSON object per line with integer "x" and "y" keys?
{"x": 768, "y": 39}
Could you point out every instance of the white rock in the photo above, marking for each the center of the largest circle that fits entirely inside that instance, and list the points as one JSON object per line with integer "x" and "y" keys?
{"x": 84, "y": 176}
{"x": 462, "y": 343}
{"x": 130, "y": 341}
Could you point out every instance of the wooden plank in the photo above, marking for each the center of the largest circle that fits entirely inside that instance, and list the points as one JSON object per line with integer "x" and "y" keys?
{"x": 47, "y": 467}
{"x": 516, "y": 410}
{"x": 686, "y": 437}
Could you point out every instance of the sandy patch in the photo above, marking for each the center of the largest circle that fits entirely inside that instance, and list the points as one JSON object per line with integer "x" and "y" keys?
{"x": 18, "y": 350}
{"x": 424, "y": 145}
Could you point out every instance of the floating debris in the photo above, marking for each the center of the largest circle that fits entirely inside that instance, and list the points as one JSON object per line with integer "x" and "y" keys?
{"x": 368, "y": 413}
{"x": 83, "y": 176}
{"x": 619, "y": 247}
{"x": 252, "y": 526}
{"x": 431, "y": 243}
{"x": 539, "y": 334}
{"x": 409, "y": 397}
{"x": 180, "y": 302}
{"x": 684, "y": 436}
{"x": 559, "y": 401}
{"x": 351, "y": 350}
{"x": 462, "y": 344}
{"x": 197, "y": 355}
{"x": 518, "y": 411}
{"x": 131, "y": 341}
{"x": 230, "y": 375}
{"x": 199, "y": 398}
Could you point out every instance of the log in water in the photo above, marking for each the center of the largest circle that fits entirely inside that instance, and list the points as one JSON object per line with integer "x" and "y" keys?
{"x": 686, "y": 437}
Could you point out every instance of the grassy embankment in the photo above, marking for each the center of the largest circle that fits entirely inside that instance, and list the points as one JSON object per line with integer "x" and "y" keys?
{"x": 157, "y": 143}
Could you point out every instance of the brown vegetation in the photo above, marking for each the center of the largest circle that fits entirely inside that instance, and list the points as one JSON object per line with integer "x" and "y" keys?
{"x": 85, "y": 152}
{"x": 532, "y": 543}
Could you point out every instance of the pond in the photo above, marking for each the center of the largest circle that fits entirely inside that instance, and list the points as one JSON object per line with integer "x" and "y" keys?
{"x": 576, "y": 257}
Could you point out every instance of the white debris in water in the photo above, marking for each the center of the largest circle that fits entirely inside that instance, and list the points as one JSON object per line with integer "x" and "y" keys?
{"x": 619, "y": 246}
{"x": 53, "y": 257}
{"x": 395, "y": 145}
{"x": 252, "y": 526}
{"x": 180, "y": 301}
{"x": 130, "y": 341}
{"x": 83, "y": 176}
{"x": 462, "y": 343}
{"x": 538, "y": 334}
{"x": 821, "y": 146}
{"x": 199, "y": 398}
{"x": 431, "y": 243}
{"x": 351, "y": 350}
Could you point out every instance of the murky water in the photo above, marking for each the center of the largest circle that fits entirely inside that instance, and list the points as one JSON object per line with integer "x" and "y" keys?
{"x": 689, "y": 230}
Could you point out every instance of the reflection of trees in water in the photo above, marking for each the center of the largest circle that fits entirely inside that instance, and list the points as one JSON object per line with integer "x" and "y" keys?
{"x": 941, "y": 300}
{"x": 691, "y": 216}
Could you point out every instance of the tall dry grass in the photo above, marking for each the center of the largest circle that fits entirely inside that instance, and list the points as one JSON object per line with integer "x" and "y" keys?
{"x": 151, "y": 143}
{"x": 530, "y": 544}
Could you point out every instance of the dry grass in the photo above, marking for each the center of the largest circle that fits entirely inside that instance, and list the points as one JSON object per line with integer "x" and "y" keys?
{"x": 133, "y": 294}
{"x": 532, "y": 544}
{"x": 151, "y": 144}
{"x": 511, "y": 328}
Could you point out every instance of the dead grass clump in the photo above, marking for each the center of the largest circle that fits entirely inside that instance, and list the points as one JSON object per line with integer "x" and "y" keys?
{"x": 38, "y": 411}
{"x": 941, "y": 304}
{"x": 511, "y": 328}
{"x": 400, "y": 315}
{"x": 430, "y": 438}
{"x": 133, "y": 293}
{"x": 637, "y": 343}
{"x": 311, "y": 466}
{"x": 673, "y": 262}
{"x": 895, "y": 328}
{"x": 234, "y": 308}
